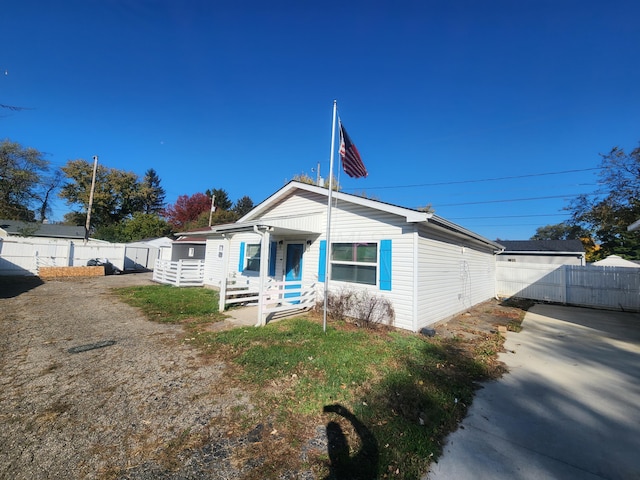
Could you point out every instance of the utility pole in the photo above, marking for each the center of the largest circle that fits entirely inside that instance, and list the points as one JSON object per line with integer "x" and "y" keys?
{"x": 93, "y": 186}
{"x": 213, "y": 208}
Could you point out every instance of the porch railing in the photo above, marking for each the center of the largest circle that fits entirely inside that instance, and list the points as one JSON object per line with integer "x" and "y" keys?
{"x": 278, "y": 297}
{"x": 180, "y": 273}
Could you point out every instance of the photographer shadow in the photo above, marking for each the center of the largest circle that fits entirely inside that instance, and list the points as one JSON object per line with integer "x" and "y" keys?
{"x": 361, "y": 466}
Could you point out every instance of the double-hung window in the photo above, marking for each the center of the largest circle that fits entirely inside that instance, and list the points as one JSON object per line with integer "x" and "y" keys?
{"x": 253, "y": 257}
{"x": 354, "y": 262}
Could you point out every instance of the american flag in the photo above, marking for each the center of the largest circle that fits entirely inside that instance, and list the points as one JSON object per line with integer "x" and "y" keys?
{"x": 351, "y": 161}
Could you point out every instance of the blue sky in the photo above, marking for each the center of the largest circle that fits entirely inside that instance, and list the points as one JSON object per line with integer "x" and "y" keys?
{"x": 238, "y": 95}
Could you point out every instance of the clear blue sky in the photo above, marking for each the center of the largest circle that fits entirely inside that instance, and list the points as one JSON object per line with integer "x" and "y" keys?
{"x": 238, "y": 95}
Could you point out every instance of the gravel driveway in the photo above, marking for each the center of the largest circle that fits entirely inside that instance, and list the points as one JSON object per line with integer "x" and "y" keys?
{"x": 145, "y": 406}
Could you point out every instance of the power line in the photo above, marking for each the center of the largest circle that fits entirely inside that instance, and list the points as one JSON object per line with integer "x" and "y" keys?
{"x": 513, "y": 200}
{"x": 512, "y": 216}
{"x": 458, "y": 182}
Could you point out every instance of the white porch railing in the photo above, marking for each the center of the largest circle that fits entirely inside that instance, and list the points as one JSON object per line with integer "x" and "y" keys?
{"x": 278, "y": 297}
{"x": 181, "y": 273}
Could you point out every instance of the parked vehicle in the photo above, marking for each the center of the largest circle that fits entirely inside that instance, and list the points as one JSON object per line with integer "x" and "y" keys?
{"x": 109, "y": 268}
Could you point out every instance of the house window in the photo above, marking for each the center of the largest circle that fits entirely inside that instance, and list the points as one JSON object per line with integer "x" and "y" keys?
{"x": 253, "y": 257}
{"x": 192, "y": 252}
{"x": 354, "y": 262}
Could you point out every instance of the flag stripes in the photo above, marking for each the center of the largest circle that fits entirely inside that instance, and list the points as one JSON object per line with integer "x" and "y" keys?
{"x": 351, "y": 160}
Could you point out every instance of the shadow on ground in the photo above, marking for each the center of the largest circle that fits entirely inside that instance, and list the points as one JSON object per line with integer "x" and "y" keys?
{"x": 13, "y": 286}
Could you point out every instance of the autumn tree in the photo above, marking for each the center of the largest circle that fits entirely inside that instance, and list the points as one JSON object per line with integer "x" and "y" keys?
{"x": 22, "y": 172}
{"x": 185, "y": 213}
{"x": 606, "y": 216}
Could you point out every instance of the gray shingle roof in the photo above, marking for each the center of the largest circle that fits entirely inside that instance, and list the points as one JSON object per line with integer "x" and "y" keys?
{"x": 49, "y": 230}
{"x": 542, "y": 246}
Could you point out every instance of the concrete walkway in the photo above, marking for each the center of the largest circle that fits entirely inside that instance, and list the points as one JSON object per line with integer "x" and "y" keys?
{"x": 568, "y": 409}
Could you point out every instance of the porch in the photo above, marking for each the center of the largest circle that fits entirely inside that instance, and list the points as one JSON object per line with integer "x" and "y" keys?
{"x": 278, "y": 299}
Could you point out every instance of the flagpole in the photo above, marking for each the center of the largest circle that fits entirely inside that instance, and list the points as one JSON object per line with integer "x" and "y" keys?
{"x": 328, "y": 234}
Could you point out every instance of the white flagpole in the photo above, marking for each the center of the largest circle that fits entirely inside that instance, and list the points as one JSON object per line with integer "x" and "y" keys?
{"x": 328, "y": 234}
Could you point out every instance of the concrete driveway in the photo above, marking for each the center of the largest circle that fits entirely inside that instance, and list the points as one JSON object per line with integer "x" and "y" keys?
{"x": 568, "y": 409}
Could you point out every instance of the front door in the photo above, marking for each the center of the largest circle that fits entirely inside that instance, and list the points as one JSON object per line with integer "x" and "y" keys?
{"x": 293, "y": 268}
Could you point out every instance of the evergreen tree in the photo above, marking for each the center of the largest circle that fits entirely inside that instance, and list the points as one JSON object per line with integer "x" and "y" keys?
{"x": 152, "y": 194}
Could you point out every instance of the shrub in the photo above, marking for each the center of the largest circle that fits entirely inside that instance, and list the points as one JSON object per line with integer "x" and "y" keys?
{"x": 361, "y": 307}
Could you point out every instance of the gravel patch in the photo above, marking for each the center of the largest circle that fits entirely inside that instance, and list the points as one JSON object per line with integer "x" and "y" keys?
{"x": 144, "y": 405}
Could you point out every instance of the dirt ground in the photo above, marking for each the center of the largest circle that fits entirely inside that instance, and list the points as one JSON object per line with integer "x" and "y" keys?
{"x": 127, "y": 407}
{"x": 143, "y": 405}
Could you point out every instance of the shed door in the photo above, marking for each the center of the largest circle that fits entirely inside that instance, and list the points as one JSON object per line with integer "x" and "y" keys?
{"x": 293, "y": 267}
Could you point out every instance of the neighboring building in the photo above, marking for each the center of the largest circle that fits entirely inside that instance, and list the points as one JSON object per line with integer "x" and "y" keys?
{"x": 615, "y": 261}
{"x": 426, "y": 266}
{"x": 15, "y": 228}
{"x": 188, "y": 247}
{"x": 548, "y": 252}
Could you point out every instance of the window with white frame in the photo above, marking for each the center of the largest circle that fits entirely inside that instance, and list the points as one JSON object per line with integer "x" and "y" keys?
{"x": 354, "y": 262}
{"x": 253, "y": 257}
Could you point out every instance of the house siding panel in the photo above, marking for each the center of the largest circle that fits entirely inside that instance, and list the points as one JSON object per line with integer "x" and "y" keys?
{"x": 213, "y": 264}
{"x": 453, "y": 276}
{"x": 355, "y": 223}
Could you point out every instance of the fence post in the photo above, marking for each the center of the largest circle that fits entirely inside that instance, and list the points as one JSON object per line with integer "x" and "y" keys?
{"x": 178, "y": 272}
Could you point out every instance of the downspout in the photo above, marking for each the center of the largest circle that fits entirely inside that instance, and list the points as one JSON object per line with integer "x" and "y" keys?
{"x": 495, "y": 272}
{"x": 416, "y": 276}
{"x": 264, "y": 265}
{"x": 226, "y": 252}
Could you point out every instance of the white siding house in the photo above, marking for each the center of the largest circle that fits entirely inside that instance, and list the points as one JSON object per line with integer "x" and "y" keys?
{"x": 429, "y": 268}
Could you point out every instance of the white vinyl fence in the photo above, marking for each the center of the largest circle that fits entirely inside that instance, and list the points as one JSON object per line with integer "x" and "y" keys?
{"x": 616, "y": 288}
{"x": 26, "y": 256}
{"x": 181, "y": 273}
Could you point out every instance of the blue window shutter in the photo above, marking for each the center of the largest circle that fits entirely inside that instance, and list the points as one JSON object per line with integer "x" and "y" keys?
{"x": 272, "y": 259}
{"x": 322, "y": 260}
{"x": 241, "y": 259}
{"x": 385, "y": 265}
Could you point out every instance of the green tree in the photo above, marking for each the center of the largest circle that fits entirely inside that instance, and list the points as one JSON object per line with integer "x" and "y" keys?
{"x": 116, "y": 197}
{"x": 22, "y": 171}
{"x": 139, "y": 227}
{"x": 152, "y": 194}
{"x": 222, "y": 200}
{"x": 607, "y": 215}
{"x": 560, "y": 231}
{"x": 243, "y": 206}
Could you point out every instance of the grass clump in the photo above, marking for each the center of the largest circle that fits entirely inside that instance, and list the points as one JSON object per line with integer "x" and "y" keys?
{"x": 168, "y": 304}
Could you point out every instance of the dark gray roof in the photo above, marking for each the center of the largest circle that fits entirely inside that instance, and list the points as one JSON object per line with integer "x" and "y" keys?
{"x": 49, "y": 230}
{"x": 542, "y": 246}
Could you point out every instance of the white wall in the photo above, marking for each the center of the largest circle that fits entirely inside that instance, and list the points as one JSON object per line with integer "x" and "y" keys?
{"x": 24, "y": 255}
{"x": 454, "y": 275}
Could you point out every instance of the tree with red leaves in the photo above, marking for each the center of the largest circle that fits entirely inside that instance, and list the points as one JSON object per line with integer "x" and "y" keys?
{"x": 187, "y": 210}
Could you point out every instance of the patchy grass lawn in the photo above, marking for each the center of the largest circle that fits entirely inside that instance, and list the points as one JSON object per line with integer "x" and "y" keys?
{"x": 165, "y": 303}
{"x": 385, "y": 399}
